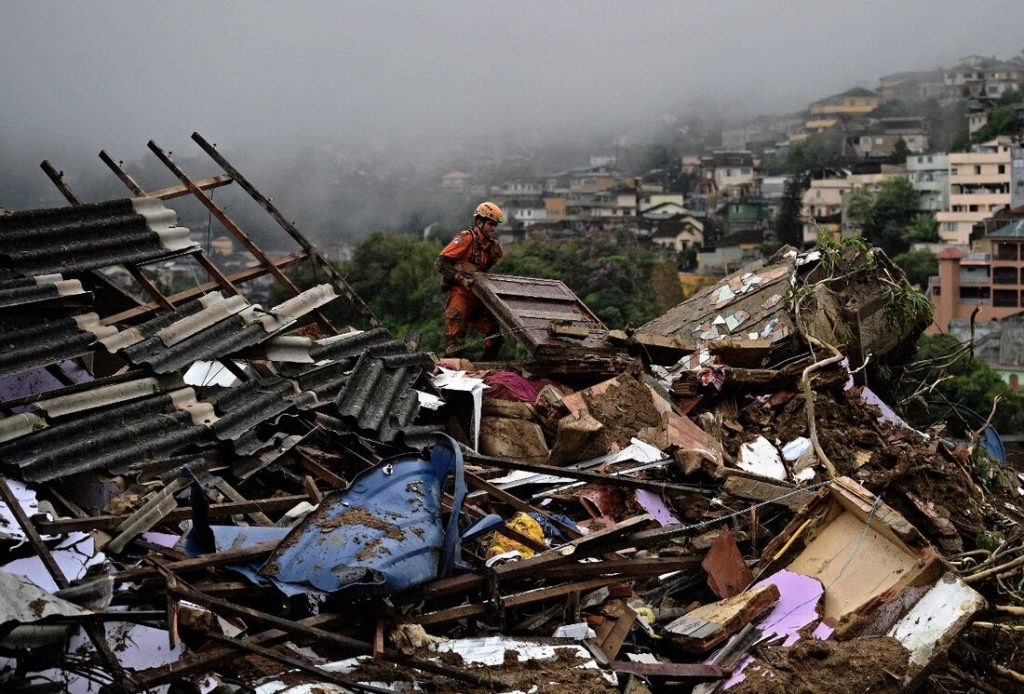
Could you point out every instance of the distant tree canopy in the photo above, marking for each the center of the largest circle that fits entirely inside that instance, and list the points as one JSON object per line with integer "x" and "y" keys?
{"x": 889, "y": 218}
{"x": 621, "y": 281}
{"x": 919, "y": 266}
{"x": 970, "y": 383}
{"x": 788, "y": 226}
{"x": 1002, "y": 121}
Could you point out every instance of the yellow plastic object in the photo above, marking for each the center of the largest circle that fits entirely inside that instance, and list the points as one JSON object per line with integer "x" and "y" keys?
{"x": 522, "y": 524}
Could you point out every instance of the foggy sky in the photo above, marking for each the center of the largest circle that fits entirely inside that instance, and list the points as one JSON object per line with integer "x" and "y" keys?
{"x": 76, "y": 77}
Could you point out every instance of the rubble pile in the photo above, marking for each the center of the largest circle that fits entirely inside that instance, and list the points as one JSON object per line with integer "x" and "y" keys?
{"x": 218, "y": 497}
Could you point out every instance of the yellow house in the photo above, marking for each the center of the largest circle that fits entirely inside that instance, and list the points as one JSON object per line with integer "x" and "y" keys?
{"x": 555, "y": 209}
{"x": 854, "y": 102}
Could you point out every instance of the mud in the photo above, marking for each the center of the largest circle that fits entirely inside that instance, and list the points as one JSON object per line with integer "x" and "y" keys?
{"x": 875, "y": 665}
{"x": 624, "y": 408}
{"x": 358, "y": 516}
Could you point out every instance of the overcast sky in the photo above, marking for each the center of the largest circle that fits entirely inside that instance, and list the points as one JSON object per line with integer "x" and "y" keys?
{"x": 76, "y": 77}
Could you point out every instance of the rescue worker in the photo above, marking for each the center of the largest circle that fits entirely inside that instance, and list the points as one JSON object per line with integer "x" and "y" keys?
{"x": 472, "y": 250}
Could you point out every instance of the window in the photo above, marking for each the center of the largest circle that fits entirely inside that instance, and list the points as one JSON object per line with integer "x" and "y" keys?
{"x": 1006, "y": 298}
{"x": 878, "y": 140}
{"x": 1004, "y": 275}
{"x": 950, "y": 226}
{"x": 977, "y": 170}
{"x": 953, "y": 171}
{"x": 929, "y": 159}
{"x": 1002, "y": 168}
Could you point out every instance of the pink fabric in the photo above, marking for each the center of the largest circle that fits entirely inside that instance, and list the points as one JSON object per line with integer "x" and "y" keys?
{"x": 508, "y": 385}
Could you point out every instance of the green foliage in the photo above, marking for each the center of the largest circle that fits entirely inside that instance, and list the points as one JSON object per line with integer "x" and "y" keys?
{"x": 789, "y": 229}
{"x": 885, "y": 216}
{"x": 906, "y": 306}
{"x": 395, "y": 274}
{"x": 899, "y": 152}
{"x": 609, "y": 271}
{"x": 1002, "y": 121}
{"x": 919, "y": 266}
{"x": 819, "y": 151}
{"x": 971, "y": 383}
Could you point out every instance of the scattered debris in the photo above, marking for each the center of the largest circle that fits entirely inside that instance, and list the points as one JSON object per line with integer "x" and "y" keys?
{"x": 200, "y": 490}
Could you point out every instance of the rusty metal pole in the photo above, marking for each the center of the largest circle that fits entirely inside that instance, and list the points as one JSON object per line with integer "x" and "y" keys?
{"x": 291, "y": 229}
{"x": 58, "y": 180}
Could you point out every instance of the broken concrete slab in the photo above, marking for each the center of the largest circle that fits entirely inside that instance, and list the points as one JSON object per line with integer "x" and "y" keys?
{"x": 517, "y": 439}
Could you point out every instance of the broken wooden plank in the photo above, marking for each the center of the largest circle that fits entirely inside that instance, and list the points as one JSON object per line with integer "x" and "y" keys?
{"x": 702, "y": 629}
{"x": 728, "y": 573}
{"x": 217, "y": 511}
{"x": 752, "y": 489}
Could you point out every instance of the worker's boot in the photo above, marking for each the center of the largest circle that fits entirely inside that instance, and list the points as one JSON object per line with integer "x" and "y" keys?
{"x": 492, "y": 345}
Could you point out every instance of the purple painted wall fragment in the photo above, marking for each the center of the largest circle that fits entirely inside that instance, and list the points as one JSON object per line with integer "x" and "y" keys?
{"x": 797, "y": 607}
{"x": 653, "y": 504}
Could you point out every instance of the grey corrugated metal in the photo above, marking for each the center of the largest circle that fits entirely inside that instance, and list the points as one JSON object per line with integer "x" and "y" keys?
{"x": 76, "y": 239}
{"x": 242, "y": 407}
{"x": 41, "y": 341}
{"x": 222, "y": 335}
{"x": 43, "y": 289}
{"x": 378, "y": 397}
{"x": 528, "y": 305}
{"x": 154, "y": 426}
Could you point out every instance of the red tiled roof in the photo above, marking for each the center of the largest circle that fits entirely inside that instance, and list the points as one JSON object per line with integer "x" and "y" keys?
{"x": 951, "y": 253}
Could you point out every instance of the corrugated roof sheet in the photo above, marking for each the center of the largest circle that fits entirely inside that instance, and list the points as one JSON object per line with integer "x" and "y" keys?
{"x": 378, "y": 397}
{"x": 211, "y": 328}
{"x": 76, "y": 239}
{"x": 26, "y": 344}
{"x": 107, "y": 437}
{"x": 42, "y": 289}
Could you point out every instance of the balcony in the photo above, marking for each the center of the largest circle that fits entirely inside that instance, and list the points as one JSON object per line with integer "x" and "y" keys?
{"x": 974, "y": 279}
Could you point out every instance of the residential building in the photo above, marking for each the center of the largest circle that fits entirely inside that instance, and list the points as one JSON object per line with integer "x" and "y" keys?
{"x": 853, "y": 102}
{"x": 1001, "y": 78}
{"x": 520, "y": 187}
{"x": 979, "y": 185}
{"x": 664, "y": 210}
{"x": 1000, "y": 344}
{"x": 993, "y": 281}
{"x": 877, "y": 138}
{"x": 929, "y": 174}
{"x": 648, "y": 202}
{"x": 824, "y": 203}
{"x": 912, "y": 86}
{"x": 679, "y": 233}
{"x": 969, "y": 76}
{"x": 525, "y": 211}
{"x": 732, "y": 174}
{"x": 455, "y": 180}
{"x": 978, "y": 112}
{"x": 731, "y": 253}
{"x": 1017, "y": 173}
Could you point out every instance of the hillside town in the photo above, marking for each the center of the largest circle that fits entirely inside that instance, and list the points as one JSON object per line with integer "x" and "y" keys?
{"x": 746, "y": 415}
{"x": 714, "y": 211}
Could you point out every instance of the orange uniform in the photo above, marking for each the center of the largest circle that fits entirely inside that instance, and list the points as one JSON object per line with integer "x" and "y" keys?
{"x": 469, "y": 252}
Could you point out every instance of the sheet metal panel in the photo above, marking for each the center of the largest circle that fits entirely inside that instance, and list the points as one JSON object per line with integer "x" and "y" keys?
{"x": 88, "y": 237}
{"x": 526, "y": 306}
{"x": 26, "y": 344}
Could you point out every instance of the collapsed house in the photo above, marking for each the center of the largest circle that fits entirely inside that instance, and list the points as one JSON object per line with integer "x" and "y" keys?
{"x": 204, "y": 493}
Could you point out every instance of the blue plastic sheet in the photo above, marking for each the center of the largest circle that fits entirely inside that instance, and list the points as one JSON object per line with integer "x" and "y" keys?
{"x": 385, "y": 531}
